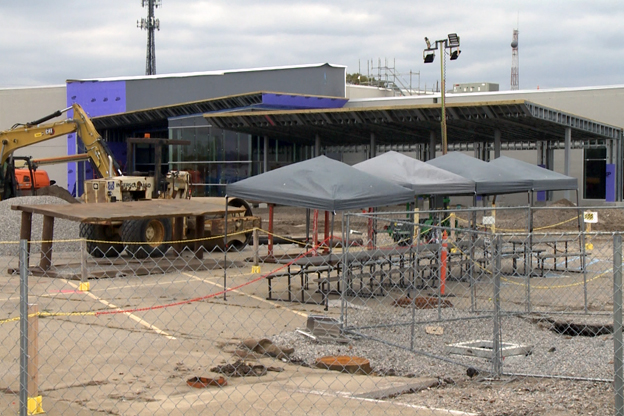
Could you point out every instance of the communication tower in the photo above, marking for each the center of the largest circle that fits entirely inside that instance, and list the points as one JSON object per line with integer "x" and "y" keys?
{"x": 150, "y": 24}
{"x": 515, "y": 74}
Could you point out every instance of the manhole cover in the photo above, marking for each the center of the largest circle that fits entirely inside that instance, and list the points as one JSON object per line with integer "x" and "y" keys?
{"x": 345, "y": 364}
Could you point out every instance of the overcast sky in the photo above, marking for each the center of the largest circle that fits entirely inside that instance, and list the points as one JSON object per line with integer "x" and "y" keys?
{"x": 562, "y": 43}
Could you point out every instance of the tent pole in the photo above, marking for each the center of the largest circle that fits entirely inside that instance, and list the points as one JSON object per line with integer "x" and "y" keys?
{"x": 473, "y": 238}
{"x": 331, "y": 238}
{"x": 326, "y": 231}
{"x": 307, "y": 227}
{"x": 315, "y": 231}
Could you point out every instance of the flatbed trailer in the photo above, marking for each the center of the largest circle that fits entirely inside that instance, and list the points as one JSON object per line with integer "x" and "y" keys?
{"x": 207, "y": 220}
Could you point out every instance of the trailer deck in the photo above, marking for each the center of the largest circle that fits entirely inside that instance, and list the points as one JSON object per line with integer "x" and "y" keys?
{"x": 107, "y": 213}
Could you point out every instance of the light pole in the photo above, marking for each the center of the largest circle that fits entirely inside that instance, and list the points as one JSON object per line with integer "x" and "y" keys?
{"x": 452, "y": 44}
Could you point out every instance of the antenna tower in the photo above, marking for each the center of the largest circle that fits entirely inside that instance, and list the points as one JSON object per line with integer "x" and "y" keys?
{"x": 150, "y": 24}
{"x": 515, "y": 66}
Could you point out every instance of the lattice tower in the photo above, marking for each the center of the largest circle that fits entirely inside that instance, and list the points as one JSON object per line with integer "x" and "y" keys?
{"x": 151, "y": 24}
{"x": 515, "y": 66}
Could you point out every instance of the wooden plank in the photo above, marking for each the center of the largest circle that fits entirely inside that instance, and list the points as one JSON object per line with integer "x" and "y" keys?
{"x": 47, "y": 236}
{"x": 33, "y": 350}
{"x": 118, "y": 211}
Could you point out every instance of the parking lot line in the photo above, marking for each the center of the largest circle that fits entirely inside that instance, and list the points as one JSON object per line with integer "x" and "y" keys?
{"x": 131, "y": 316}
{"x": 258, "y": 298}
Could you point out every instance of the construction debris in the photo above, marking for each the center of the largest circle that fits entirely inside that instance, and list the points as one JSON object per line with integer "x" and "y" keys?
{"x": 266, "y": 347}
{"x": 423, "y": 302}
{"x": 240, "y": 369}
{"x": 203, "y": 382}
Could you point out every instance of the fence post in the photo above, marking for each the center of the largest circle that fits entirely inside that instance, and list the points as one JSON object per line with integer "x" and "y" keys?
{"x": 84, "y": 285}
{"x": 256, "y": 250}
{"x": 473, "y": 241}
{"x": 530, "y": 258}
{"x": 346, "y": 234}
{"x": 23, "y": 396}
{"x": 584, "y": 263}
{"x": 443, "y": 264}
{"x": 29, "y": 399}
{"x": 34, "y": 404}
{"x": 618, "y": 382}
{"x": 496, "y": 345}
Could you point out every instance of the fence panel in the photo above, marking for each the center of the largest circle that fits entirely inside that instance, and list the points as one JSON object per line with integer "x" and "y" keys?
{"x": 416, "y": 310}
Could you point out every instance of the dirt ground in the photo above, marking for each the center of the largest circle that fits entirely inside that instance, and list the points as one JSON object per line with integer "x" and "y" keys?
{"x": 291, "y": 221}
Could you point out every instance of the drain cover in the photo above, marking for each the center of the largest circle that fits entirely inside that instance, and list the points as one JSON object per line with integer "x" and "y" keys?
{"x": 345, "y": 364}
{"x": 485, "y": 349}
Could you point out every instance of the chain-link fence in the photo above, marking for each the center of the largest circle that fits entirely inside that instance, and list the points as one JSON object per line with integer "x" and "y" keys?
{"x": 472, "y": 311}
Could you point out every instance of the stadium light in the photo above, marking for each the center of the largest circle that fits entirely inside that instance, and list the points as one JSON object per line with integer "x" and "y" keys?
{"x": 452, "y": 44}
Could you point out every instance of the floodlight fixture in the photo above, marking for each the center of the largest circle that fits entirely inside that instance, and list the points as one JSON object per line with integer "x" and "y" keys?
{"x": 428, "y": 43}
{"x": 453, "y": 40}
{"x": 428, "y": 56}
{"x": 454, "y": 54}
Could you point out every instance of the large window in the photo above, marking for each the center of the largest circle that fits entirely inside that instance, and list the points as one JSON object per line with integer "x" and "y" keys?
{"x": 214, "y": 158}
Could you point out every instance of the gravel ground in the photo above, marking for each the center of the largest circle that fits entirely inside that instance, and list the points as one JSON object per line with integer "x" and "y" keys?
{"x": 552, "y": 354}
{"x": 10, "y": 221}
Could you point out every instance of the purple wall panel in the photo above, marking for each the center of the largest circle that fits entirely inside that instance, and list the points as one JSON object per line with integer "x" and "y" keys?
{"x": 302, "y": 102}
{"x": 610, "y": 183}
{"x": 97, "y": 99}
{"x": 541, "y": 195}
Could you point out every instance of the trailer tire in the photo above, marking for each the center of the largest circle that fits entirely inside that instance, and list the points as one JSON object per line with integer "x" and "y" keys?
{"x": 98, "y": 244}
{"x": 155, "y": 234}
{"x": 240, "y": 242}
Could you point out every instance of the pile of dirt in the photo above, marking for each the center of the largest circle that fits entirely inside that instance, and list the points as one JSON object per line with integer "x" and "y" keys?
{"x": 57, "y": 191}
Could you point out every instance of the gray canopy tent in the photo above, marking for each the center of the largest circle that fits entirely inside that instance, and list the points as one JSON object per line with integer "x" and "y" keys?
{"x": 489, "y": 179}
{"x": 422, "y": 178}
{"x": 541, "y": 179}
{"x": 320, "y": 183}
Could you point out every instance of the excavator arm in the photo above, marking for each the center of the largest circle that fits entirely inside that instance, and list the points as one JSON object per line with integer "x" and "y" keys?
{"x": 96, "y": 148}
{"x": 23, "y": 135}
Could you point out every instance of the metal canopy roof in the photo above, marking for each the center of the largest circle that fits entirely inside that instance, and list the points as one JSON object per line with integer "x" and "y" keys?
{"x": 263, "y": 100}
{"x": 161, "y": 114}
{"x": 518, "y": 120}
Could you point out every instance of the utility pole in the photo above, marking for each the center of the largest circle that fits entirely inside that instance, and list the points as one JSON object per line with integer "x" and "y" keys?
{"x": 150, "y": 24}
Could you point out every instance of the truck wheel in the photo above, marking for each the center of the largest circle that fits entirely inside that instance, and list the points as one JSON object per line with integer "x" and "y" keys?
{"x": 239, "y": 242}
{"x": 155, "y": 233}
{"x": 99, "y": 242}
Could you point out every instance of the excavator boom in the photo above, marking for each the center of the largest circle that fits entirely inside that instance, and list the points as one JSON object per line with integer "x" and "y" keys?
{"x": 23, "y": 135}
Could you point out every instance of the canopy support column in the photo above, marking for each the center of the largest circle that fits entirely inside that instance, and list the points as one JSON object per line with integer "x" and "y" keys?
{"x": 373, "y": 147}
{"x": 497, "y": 143}
{"x": 432, "y": 145}
{"x": 265, "y": 155}
{"x": 317, "y": 145}
{"x": 566, "y": 165}
{"x": 545, "y": 158}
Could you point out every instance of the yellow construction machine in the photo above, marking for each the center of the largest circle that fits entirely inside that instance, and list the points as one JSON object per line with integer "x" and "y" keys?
{"x": 107, "y": 240}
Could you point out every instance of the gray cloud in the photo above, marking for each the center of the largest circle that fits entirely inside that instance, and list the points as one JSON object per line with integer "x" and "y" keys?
{"x": 562, "y": 43}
